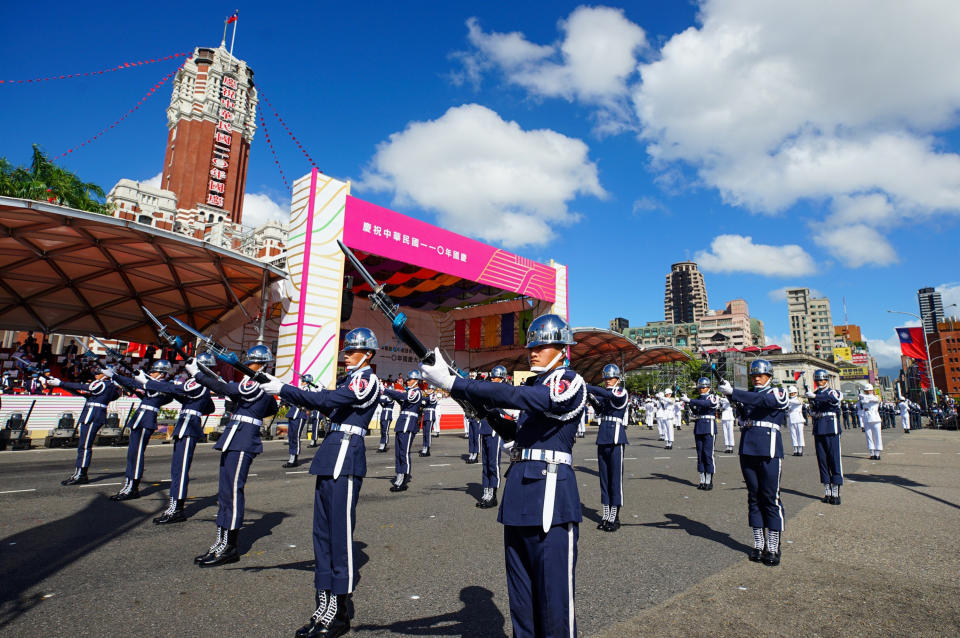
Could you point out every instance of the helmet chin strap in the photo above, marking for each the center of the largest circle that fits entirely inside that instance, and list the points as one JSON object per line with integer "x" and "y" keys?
{"x": 366, "y": 357}
{"x": 549, "y": 366}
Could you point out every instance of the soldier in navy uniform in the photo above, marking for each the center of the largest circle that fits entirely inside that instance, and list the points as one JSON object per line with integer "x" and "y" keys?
{"x": 339, "y": 465}
{"x": 429, "y": 417}
{"x": 296, "y": 418}
{"x": 386, "y": 420}
{"x": 490, "y": 449}
{"x": 142, "y": 427}
{"x": 704, "y": 409}
{"x": 845, "y": 415}
{"x": 36, "y": 384}
{"x": 195, "y": 403}
{"x": 540, "y": 508}
{"x": 761, "y": 457}
{"x": 825, "y": 405}
{"x": 239, "y": 446}
{"x": 611, "y": 441}
{"x": 98, "y": 393}
{"x": 410, "y": 400}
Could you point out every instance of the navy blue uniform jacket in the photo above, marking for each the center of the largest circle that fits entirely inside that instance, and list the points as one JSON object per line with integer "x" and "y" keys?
{"x": 191, "y": 396}
{"x": 146, "y": 419}
{"x": 252, "y": 402}
{"x": 612, "y": 414}
{"x": 768, "y": 405}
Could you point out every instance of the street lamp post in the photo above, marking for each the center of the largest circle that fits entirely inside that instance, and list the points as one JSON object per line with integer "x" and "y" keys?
{"x": 926, "y": 346}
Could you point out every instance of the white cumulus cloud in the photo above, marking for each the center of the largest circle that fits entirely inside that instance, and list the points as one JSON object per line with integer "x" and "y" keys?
{"x": 831, "y": 102}
{"x": 484, "y": 176}
{"x": 736, "y": 253}
{"x": 782, "y": 340}
{"x": 592, "y": 63}
{"x": 260, "y": 208}
{"x": 154, "y": 181}
{"x": 885, "y": 351}
{"x": 950, "y": 294}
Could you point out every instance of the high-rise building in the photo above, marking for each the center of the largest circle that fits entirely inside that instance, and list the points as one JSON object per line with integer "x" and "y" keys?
{"x": 211, "y": 121}
{"x": 931, "y": 309}
{"x": 811, "y": 324}
{"x": 945, "y": 357}
{"x": 728, "y": 328}
{"x": 665, "y": 333}
{"x": 685, "y": 299}
{"x": 619, "y": 324}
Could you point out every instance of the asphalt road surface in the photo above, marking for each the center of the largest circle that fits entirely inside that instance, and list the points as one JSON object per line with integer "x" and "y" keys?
{"x": 74, "y": 563}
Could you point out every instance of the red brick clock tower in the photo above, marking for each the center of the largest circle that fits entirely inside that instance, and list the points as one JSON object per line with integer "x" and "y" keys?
{"x": 211, "y": 121}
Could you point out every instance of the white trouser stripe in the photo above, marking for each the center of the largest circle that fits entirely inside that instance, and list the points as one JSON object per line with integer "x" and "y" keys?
{"x": 349, "y": 536}
{"x": 141, "y": 448}
{"x": 779, "y": 504}
{"x": 86, "y": 448}
{"x": 496, "y": 440}
{"x": 622, "y": 454}
{"x": 840, "y": 456}
{"x": 183, "y": 468}
{"x": 236, "y": 483}
{"x": 571, "y": 617}
{"x": 407, "y": 452}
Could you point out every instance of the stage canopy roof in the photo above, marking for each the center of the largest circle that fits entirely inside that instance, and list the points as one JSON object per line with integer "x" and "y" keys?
{"x": 64, "y": 270}
{"x": 596, "y": 347}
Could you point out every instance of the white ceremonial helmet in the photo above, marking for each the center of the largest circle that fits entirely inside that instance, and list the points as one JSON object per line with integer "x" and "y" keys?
{"x": 792, "y": 390}
{"x": 668, "y": 392}
{"x": 868, "y": 386}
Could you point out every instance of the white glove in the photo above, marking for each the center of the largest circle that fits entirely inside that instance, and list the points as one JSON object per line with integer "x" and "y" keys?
{"x": 191, "y": 367}
{"x": 439, "y": 373}
{"x": 725, "y": 387}
{"x": 141, "y": 377}
{"x": 810, "y": 395}
{"x": 273, "y": 386}
{"x": 53, "y": 381}
{"x": 685, "y": 399}
{"x": 107, "y": 372}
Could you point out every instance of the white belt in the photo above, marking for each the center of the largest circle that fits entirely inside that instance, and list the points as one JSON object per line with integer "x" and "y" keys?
{"x": 148, "y": 408}
{"x": 760, "y": 424}
{"x": 183, "y": 421}
{"x": 706, "y": 416}
{"x": 246, "y": 419}
{"x": 612, "y": 419}
{"x": 190, "y": 413}
{"x": 355, "y": 430}
{"x": 408, "y": 413}
{"x": 548, "y": 456}
{"x": 96, "y": 405}
{"x": 350, "y": 431}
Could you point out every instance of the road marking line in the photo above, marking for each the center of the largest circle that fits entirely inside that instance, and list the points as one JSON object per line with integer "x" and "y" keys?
{"x": 929, "y": 453}
{"x": 32, "y": 489}
{"x": 589, "y": 459}
{"x": 633, "y": 458}
{"x": 298, "y": 472}
{"x": 439, "y": 465}
{"x": 657, "y": 458}
{"x": 99, "y": 484}
{"x": 691, "y": 457}
{"x": 902, "y": 452}
{"x": 253, "y": 475}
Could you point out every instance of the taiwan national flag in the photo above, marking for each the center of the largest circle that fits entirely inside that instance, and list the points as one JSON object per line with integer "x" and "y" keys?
{"x": 912, "y": 343}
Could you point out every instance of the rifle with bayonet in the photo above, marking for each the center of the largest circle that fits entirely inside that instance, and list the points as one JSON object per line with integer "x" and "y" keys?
{"x": 379, "y": 300}
{"x": 113, "y": 353}
{"x": 222, "y": 353}
{"x": 29, "y": 366}
{"x": 175, "y": 342}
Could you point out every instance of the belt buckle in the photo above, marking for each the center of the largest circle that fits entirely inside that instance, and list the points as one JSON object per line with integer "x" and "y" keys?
{"x": 515, "y": 453}
{"x": 552, "y": 467}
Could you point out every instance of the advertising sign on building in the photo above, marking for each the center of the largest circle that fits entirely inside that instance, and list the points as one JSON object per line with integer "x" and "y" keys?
{"x": 861, "y": 359}
{"x": 849, "y": 373}
{"x": 842, "y": 354}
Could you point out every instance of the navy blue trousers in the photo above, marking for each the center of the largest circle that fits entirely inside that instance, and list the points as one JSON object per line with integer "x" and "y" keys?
{"x": 386, "y": 420}
{"x": 762, "y": 476}
{"x": 541, "y": 579}
{"x": 828, "y": 458}
{"x": 610, "y": 464}
{"x": 294, "y": 432}
{"x": 401, "y": 451}
{"x": 234, "y": 466}
{"x": 704, "y": 453}
{"x": 334, "y": 519}
{"x": 180, "y": 466}
{"x": 88, "y": 434}
{"x": 136, "y": 449}
{"x": 426, "y": 428}
{"x": 490, "y": 445}
{"x": 473, "y": 436}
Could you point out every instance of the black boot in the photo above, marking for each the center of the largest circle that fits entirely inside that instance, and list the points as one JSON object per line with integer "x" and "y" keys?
{"x": 129, "y": 492}
{"x": 174, "y": 513}
{"x": 292, "y": 462}
{"x": 341, "y": 620}
{"x": 331, "y": 618}
{"x": 213, "y": 548}
{"x": 425, "y": 452}
{"x": 227, "y": 551}
{"x": 314, "y": 626}
{"x": 79, "y": 478}
{"x": 771, "y": 559}
{"x": 487, "y": 503}
{"x": 756, "y": 554}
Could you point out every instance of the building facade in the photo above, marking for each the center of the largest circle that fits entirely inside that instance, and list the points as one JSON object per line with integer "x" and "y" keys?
{"x": 931, "y": 309}
{"x": 685, "y": 298}
{"x": 945, "y": 357}
{"x": 664, "y": 333}
{"x": 850, "y": 333}
{"x": 728, "y": 328}
{"x": 811, "y": 324}
{"x": 144, "y": 204}
{"x": 211, "y": 121}
{"x": 619, "y": 324}
{"x": 786, "y": 366}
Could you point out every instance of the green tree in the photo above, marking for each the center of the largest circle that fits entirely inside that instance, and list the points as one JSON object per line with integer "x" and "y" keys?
{"x": 44, "y": 181}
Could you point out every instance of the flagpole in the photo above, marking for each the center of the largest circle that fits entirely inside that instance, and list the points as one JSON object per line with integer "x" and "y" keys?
{"x": 233, "y": 38}
{"x": 223, "y": 40}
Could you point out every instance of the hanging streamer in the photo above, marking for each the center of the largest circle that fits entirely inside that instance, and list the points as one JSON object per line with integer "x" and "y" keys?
{"x": 120, "y": 67}
{"x": 266, "y": 135}
{"x": 152, "y": 90}
{"x": 287, "y": 129}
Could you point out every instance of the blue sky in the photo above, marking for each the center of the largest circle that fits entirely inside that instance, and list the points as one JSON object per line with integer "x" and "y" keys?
{"x": 811, "y": 145}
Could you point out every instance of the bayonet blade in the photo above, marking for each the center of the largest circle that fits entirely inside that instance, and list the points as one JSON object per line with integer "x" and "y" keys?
{"x": 202, "y": 337}
{"x": 152, "y": 317}
{"x": 367, "y": 277}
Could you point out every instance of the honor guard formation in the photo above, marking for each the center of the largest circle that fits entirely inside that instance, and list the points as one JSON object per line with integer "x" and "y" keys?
{"x": 534, "y": 424}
